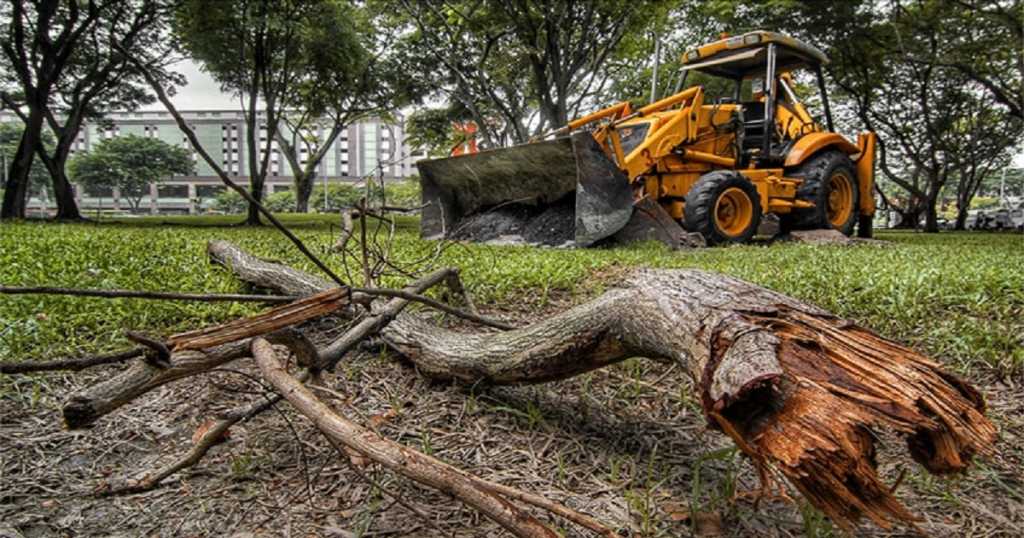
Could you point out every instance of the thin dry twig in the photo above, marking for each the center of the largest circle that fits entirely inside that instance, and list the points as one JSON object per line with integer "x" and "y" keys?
{"x": 142, "y": 294}
{"x": 73, "y": 364}
{"x": 438, "y": 305}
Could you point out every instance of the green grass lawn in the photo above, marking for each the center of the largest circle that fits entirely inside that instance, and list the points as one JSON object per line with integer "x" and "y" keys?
{"x": 956, "y": 296}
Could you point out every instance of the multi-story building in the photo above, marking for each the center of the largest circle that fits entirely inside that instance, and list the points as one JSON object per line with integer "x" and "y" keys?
{"x": 366, "y": 148}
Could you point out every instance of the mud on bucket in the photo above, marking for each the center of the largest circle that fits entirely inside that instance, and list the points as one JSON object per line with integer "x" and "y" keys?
{"x": 536, "y": 176}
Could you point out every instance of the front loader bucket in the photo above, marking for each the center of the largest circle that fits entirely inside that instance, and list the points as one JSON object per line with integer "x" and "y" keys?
{"x": 535, "y": 175}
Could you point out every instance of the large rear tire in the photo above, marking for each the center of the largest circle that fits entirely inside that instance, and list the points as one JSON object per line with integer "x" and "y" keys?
{"x": 830, "y": 183}
{"x": 724, "y": 207}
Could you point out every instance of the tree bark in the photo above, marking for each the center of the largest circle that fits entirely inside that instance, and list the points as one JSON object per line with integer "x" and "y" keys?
{"x": 961, "y": 218}
{"x": 303, "y": 190}
{"x": 63, "y": 192}
{"x": 795, "y": 387}
{"x": 89, "y": 404}
{"x": 16, "y": 188}
{"x": 931, "y": 212}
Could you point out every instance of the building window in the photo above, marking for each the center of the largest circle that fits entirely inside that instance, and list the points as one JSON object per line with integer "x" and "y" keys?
{"x": 172, "y": 191}
{"x": 207, "y": 191}
{"x": 99, "y": 192}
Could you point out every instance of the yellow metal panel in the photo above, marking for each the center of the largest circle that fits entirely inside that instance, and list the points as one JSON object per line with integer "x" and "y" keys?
{"x": 678, "y": 185}
{"x": 757, "y": 38}
{"x": 812, "y": 143}
{"x": 866, "y": 172}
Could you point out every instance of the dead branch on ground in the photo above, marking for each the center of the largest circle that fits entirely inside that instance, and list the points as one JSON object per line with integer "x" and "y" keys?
{"x": 154, "y": 295}
{"x": 72, "y": 364}
{"x": 796, "y": 388}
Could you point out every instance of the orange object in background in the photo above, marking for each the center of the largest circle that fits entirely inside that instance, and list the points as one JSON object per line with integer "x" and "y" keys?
{"x": 467, "y": 139}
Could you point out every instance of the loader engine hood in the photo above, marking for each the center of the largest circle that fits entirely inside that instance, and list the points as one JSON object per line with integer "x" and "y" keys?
{"x": 571, "y": 169}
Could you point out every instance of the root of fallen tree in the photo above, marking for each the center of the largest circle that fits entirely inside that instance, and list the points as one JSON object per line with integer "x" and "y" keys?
{"x": 796, "y": 388}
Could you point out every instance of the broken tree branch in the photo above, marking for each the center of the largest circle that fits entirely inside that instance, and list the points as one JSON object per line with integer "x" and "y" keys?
{"x": 305, "y": 309}
{"x": 200, "y": 351}
{"x": 73, "y": 364}
{"x": 89, "y": 404}
{"x": 393, "y": 456}
{"x": 795, "y": 387}
{"x": 155, "y": 295}
{"x": 437, "y": 305}
{"x": 268, "y": 275}
{"x": 377, "y": 320}
{"x": 211, "y": 437}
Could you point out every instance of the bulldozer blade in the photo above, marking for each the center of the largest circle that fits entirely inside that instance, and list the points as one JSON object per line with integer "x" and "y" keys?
{"x": 536, "y": 174}
{"x": 652, "y": 223}
{"x": 604, "y": 200}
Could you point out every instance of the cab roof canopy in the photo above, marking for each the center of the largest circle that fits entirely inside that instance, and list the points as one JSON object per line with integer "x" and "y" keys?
{"x": 746, "y": 55}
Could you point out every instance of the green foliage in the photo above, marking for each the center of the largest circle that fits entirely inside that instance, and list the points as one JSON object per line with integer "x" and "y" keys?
{"x": 130, "y": 163}
{"x": 338, "y": 195}
{"x": 405, "y": 193}
{"x": 984, "y": 202}
{"x": 229, "y": 201}
{"x": 522, "y": 68}
{"x": 430, "y": 129}
{"x": 280, "y": 202}
{"x": 318, "y": 59}
{"x": 964, "y": 311}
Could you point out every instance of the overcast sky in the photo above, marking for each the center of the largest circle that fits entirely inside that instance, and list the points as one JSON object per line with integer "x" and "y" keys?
{"x": 201, "y": 92}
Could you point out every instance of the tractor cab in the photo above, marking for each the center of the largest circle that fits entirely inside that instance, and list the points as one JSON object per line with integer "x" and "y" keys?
{"x": 764, "y": 62}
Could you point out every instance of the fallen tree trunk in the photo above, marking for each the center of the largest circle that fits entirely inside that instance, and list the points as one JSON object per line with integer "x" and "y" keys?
{"x": 795, "y": 387}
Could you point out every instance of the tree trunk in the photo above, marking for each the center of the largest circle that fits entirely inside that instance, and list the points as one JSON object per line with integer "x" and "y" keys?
{"x": 931, "y": 213}
{"x": 303, "y": 190}
{"x": 961, "y": 218}
{"x": 256, "y": 171}
{"x": 252, "y": 217}
{"x": 16, "y": 188}
{"x": 64, "y": 194}
{"x": 795, "y": 387}
{"x": 931, "y": 221}
{"x": 910, "y": 217}
{"x": 936, "y": 182}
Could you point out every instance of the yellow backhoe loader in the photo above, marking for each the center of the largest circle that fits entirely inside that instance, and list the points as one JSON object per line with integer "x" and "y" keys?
{"x": 713, "y": 164}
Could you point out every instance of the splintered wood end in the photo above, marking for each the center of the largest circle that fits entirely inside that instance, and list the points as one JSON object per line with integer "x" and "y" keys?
{"x": 839, "y": 382}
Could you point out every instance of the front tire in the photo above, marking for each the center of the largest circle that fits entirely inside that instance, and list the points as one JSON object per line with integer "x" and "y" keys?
{"x": 724, "y": 207}
{"x": 830, "y": 183}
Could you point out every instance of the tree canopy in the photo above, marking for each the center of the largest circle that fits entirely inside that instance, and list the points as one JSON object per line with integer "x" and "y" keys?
{"x": 285, "y": 55}
{"x": 521, "y": 68}
{"x": 67, "y": 62}
{"x": 130, "y": 163}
